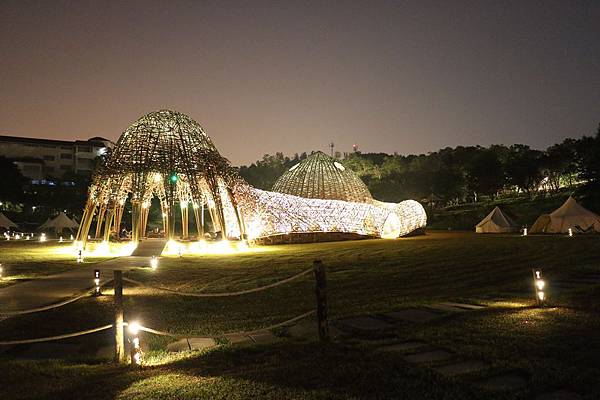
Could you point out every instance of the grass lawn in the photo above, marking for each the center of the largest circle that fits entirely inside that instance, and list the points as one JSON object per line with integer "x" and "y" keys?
{"x": 24, "y": 260}
{"x": 555, "y": 347}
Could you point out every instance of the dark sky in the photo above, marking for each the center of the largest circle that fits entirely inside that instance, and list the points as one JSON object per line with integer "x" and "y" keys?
{"x": 292, "y": 76}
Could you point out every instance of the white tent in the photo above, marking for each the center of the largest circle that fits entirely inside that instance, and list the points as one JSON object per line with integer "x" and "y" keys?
{"x": 6, "y": 223}
{"x": 569, "y": 215}
{"x": 58, "y": 223}
{"x": 496, "y": 222}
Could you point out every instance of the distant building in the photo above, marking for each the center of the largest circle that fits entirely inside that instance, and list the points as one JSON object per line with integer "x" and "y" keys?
{"x": 39, "y": 159}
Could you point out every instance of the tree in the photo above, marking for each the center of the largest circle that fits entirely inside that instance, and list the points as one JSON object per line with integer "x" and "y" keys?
{"x": 484, "y": 173}
{"x": 12, "y": 181}
{"x": 523, "y": 167}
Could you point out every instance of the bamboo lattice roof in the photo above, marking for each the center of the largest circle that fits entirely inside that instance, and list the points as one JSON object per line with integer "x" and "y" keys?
{"x": 320, "y": 176}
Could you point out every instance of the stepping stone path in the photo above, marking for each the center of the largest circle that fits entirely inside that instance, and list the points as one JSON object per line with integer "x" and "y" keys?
{"x": 459, "y": 368}
{"x": 508, "y": 381}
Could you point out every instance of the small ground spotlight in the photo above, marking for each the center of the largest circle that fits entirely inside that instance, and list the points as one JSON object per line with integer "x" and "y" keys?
{"x": 97, "y": 291}
{"x": 539, "y": 285}
{"x": 154, "y": 262}
{"x": 134, "y": 339}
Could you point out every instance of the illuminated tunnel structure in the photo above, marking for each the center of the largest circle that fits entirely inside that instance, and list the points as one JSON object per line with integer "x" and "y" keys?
{"x": 168, "y": 155}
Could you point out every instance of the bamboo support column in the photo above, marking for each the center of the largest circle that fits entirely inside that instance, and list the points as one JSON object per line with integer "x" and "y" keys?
{"x": 144, "y": 223}
{"x": 86, "y": 224}
{"x": 99, "y": 221}
{"x": 118, "y": 218}
{"x": 184, "y": 219}
{"x": 136, "y": 208}
{"x": 108, "y": 224}
{"x": 199, "y": 220}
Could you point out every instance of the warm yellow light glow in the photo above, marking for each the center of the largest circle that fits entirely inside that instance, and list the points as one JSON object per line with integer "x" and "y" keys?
{"x": 60, "y": 240}
{"x": 154, "y": 262}
{"x": 570, "y": 232}
{"x": 43, "y": 237}
{"x": 133, "y": 327}
{"x": 524, "y": 231}
{"x": 538, "y": 275}
{"x": 203, "y": 247}
{"x": 184, "y": 204}
{"x": 541, "y": 296}
{"x": 17, "y": 236}
{"x": 540, "y": 284}
{"x": 72, "y": 238}
{"x": 157, "y": 178}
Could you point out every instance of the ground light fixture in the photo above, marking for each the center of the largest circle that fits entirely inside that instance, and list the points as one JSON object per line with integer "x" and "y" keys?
{"x": 570, "y": 232}
{"x": 136, "y": 352}
{"x": 43, "y": 237}
{"x": 60, "y": 239}
{"x": 539, "y": 285}
{"x": 524, "y": 231}
{"x": 72, "y": 238}
{"x": 1, "y": 270}
{"x": 154, "y": 262}
{"x": 97, "y": 291}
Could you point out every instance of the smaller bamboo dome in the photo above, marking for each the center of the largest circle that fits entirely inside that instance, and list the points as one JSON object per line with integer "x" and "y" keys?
{"x": 320, "y": 176}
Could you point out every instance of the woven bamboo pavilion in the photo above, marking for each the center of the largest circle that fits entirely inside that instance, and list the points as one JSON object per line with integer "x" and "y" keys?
{"x": 320, "y": 176}
{"x": 167, "y": 155}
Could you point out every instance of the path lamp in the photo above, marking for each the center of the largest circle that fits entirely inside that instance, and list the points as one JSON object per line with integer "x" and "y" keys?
{"x": 60, "y": 240}
{"x": 154, "y": 262}
{"x": 97, "y": 291}
{"x": 43, "y": 237}
{"x": 570, "y": 232}
{"x": 1, "y": 270}
{"x": 539, "y": 285}
{"x": 72, "y": 238}
{"x": 136, "y": 353}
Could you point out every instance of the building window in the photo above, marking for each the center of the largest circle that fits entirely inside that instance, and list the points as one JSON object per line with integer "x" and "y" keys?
{"x": 49, "y": 158}
{"x": 84, "y": 149}
{"x": 66, "y": 156}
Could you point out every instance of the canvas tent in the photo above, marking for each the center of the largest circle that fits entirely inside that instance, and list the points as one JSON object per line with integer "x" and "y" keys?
{"x": 58, "y": 223}
{"x": 6, "y": 223}
{"x": 569, "y": 215}
{"x": 496, "y": 222}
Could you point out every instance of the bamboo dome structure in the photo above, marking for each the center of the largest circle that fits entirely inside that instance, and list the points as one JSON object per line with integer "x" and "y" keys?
{"x": 320, "y": 176}
{"x": 168, "y": 155}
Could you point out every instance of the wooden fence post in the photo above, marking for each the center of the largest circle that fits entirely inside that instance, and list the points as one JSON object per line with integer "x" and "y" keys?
{"x": 118, "y": 323}
{"x": 321, "y": 291}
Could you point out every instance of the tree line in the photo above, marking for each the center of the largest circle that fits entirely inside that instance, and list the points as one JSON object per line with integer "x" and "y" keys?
{"x": 460, "y": 174}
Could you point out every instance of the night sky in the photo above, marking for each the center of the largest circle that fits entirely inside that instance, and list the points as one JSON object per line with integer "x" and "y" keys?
{"x": 292, "y": 76}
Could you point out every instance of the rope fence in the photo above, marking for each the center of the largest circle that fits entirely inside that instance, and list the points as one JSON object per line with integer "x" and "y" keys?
{"x": 51, "y": 306}
{"x": 58, "y": 337}
{"x": 119, "y": 323}
{"x": 223, "y": 294}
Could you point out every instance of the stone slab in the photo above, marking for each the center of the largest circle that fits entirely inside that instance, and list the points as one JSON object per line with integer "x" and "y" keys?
{"x": 462, "y": 305}
{"x": 263, "y": 338}
{"x": 459, "y": 368}
{"x": 509, "y": 381}
{"x": 413, "y": 315}
{"x": 404, "y": 346}
{"x": 238, "y": 339}
{"x": 201, "y": 343}
{"x": 428, "y": 356}
{"x": 365, "y": 323}
{"x": 180, "y": 345}
{"x": 559, "y": 395}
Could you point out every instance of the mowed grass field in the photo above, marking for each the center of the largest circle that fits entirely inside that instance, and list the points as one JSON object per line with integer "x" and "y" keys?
{"x": 556, "y": 347}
